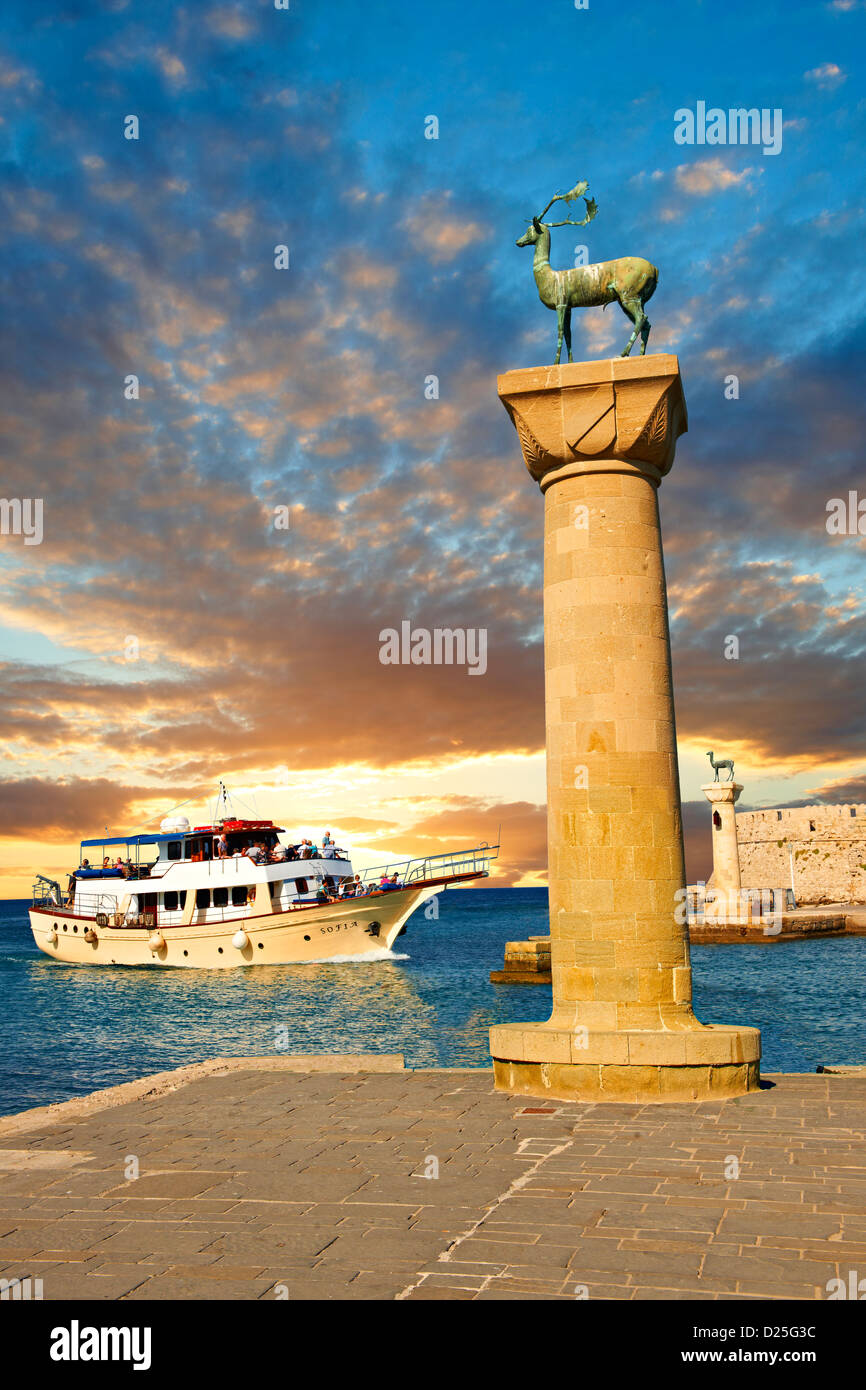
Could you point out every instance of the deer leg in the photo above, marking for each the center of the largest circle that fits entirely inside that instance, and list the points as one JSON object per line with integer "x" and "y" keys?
{"x": 644, "y": 334}
{"x": 566, "y": 323}
{"x": 634, "y": 310}
{"x": 560, "y": 321}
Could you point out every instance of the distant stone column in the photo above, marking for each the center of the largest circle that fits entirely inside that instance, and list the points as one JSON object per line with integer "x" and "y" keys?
{"x": 727, "y": 901}
{"x": 598, "y": 437}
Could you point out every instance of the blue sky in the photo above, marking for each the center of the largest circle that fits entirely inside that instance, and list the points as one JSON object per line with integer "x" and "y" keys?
{"x": 258, "y": 650}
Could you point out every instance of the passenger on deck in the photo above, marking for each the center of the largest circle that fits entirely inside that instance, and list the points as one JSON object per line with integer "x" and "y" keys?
{"x": 221, "y": 848}
{"x": 305, "y": 849}
{"x": 278, "y": 853}
{"x": 106, "y": 864}
{"x": 329, "y": 850}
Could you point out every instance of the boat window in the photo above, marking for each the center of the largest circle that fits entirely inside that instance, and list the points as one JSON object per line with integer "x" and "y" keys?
{"x": 174, "y": 849}
{"x": 239, "y": 895}
{"x": 202, "y": 897}
{"x": 220, "y": 897}
{"x": 170, "y": 902}
{"x": 300, "y": 885}
{"x": 183, "y": 897}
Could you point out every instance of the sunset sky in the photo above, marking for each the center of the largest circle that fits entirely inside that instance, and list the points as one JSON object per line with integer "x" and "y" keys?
{"x": 165, "y": 633}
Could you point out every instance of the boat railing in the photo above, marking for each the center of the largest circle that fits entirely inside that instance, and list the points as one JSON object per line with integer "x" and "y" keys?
{"x": 84, "y": 904}
{"x": 434, "y": 866}
{"x": 410, "y": 873}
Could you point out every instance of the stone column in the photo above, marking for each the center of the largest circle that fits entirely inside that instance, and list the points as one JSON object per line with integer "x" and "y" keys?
{"x": 598, "y": 437}
{"x": 727, "y": 902}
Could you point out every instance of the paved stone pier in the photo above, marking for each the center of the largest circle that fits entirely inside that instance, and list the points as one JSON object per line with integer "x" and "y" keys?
{"x": 255, "y": 1175}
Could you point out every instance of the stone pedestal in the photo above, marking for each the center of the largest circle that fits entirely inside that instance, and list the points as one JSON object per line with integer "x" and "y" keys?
{"x": 724, "y": 899}
{"x": 598, "y": 437}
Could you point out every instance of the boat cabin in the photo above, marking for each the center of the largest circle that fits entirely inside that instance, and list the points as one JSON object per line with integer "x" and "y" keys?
{"x": 157, "y": 873}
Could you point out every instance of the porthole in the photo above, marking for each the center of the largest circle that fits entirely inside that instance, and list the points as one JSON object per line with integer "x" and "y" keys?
{"x": 186, "y": 953}
{"x": 65, "y": 926}
{"x": 306, "y": 938}
{"x": 55, "y": 926}
{"x": 75, "y": 928}
{"x": 261, "y": 945}
{"x": 219, "y": 950}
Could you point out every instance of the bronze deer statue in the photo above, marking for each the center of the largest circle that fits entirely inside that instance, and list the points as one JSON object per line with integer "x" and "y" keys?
{"x": 715, "y": 764}
{"x": 630, "y": 281}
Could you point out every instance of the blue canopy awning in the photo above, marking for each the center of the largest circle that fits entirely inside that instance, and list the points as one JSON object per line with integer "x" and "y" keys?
{"x": 122, "y": 840}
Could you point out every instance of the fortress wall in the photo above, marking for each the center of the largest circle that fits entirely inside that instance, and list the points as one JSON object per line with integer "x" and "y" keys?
{"x": 829, "y": 845}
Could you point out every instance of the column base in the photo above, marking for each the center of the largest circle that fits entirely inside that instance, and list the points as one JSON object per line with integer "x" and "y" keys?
{"x": 708, "y": 1062}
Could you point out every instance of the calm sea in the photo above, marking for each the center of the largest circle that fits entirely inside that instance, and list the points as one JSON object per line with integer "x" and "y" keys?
{"x": 71, "y": 1029}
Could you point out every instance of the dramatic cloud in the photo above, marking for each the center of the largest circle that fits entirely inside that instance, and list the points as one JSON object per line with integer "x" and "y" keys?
{"x": 30, "y": 807}
{"x": 248, "y": 473}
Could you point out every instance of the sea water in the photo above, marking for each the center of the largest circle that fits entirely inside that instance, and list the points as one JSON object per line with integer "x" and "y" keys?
{"x": 70, "y": 1029}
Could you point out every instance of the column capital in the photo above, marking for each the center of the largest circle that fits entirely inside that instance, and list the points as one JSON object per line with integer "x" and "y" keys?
{"x": 621, "y": 414}
{"x": 716, "y": 792}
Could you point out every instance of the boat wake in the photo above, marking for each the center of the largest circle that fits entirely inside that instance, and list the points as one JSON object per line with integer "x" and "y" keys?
{"x": 358, "y": 957}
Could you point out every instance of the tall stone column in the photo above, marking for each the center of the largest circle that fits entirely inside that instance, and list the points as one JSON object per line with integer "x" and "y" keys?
{"x": 727, "y": 901}
{"x": 598, "y": 437}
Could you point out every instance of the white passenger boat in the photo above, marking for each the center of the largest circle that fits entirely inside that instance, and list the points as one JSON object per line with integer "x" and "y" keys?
{"x": 191, "y": 897}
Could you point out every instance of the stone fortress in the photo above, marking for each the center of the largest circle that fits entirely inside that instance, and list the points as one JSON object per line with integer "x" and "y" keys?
{"x": 822, "y": 847}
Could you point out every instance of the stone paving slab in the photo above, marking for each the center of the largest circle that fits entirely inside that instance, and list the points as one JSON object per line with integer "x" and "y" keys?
{"x": 263, "y": 1182}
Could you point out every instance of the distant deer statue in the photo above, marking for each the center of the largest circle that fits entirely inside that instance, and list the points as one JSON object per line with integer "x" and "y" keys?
{"x": 723, "y": 762}
{"x": 630, "y": 281}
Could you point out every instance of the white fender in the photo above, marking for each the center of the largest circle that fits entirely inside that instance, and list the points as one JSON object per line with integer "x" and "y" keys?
{"x": 240, "y": 940}
{"x": 156, "y": 941}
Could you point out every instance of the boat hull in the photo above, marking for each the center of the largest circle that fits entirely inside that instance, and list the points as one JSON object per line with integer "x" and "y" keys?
{"x": 356, "y": 928}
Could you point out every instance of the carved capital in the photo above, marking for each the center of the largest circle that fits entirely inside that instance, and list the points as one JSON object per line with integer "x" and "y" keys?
{"x": 620, "y": 414}
{"x": 718, "y": 792}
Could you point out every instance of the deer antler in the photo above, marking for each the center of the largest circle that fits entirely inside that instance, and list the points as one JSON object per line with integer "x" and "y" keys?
{"x": 591, "y": 210}
{"x": 571, "y": 196}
